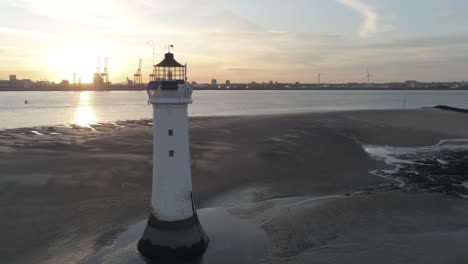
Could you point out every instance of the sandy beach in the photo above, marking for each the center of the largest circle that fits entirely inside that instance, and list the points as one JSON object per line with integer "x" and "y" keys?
{"x": 306, "y": 180}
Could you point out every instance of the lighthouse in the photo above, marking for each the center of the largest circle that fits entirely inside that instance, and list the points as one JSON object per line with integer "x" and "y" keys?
{"x": 173, "y": 231}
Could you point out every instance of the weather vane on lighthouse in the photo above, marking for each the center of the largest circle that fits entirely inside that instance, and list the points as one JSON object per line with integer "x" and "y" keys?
{"x": 169, "y": 47}
{"x": 173, "y": 231}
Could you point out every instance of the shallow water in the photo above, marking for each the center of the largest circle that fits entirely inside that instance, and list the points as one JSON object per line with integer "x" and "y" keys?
{"x": 440, "y": 168}
{"x": 232, "y": 240}
{"x": 83, "y": 108}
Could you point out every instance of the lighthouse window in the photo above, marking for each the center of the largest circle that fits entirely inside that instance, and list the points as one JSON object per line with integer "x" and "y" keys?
{"x": 171, "y": 153}
{"x": 170, "y": 132}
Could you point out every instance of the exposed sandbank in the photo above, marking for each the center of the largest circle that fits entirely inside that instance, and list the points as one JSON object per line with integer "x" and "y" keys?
{"x": 66, "y": 192}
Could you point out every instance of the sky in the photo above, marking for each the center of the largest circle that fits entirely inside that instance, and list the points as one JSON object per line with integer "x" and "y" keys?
{"x": 238, "y": 40}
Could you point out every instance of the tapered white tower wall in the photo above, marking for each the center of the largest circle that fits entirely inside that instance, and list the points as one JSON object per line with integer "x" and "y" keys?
{"x": 173, "y": 231}
{"x": 172, "y": 181}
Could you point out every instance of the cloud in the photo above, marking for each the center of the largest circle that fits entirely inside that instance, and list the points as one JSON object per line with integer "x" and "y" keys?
{"x": 422, "y": 42}
{"x": 238, "y": 69}
{"x": 140, "y": 17}
{"x": 87, "y": 12}
{"x": 28, "y": 33}
{"x": 452, "y": 15}
{"x": 216, "y": 41}
{"x": 371, "y": 17}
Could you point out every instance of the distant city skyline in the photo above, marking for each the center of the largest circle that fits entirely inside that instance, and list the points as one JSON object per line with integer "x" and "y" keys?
{"x": 240, "y": 41}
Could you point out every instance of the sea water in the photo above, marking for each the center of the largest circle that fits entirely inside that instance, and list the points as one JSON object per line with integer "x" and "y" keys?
{"x": 48, "y": 108}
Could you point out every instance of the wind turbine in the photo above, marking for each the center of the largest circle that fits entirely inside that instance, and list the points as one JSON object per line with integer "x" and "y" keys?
{"x": 319, "y": 75}
{"x": 368, "y": 77}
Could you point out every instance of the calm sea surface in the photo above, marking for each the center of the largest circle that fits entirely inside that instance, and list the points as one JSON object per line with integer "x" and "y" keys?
{"x": 54, "y": 108}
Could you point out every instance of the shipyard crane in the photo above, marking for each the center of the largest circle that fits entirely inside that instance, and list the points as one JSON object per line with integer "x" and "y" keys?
{"x": 137, "y": 76}
{"x": 98, "y": 65}
{"x": 105, "y": 74}
{"x": 129, "y": 82}
{"x": 97, "y": 79}
{"x": 152, "y": 76}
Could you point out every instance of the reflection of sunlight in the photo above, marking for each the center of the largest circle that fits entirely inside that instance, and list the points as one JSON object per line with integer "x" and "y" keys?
{"x": 84, "y": 113}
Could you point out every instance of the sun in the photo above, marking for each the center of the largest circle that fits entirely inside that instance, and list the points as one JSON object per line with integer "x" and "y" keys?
{"x": 78, "y": 58}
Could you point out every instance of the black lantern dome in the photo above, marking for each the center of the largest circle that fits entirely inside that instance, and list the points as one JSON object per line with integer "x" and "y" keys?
{"x": 170, "y": 70}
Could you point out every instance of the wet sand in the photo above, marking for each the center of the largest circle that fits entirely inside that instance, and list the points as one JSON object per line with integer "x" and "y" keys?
{"x": 304, "y": 179}
{"x": 242, "y": 242}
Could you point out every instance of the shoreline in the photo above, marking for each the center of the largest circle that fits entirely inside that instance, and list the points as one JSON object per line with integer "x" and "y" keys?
{"x": 143, "y": 88}
{"x": 148, "y": 120}
{"x": 72, "y": 190}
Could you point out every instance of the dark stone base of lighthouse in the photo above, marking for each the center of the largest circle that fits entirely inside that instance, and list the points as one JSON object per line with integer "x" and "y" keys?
{"x": 173, "y": 241}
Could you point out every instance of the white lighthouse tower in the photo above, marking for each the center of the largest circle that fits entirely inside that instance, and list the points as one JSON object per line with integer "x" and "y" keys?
{"x": 173, "y": 231}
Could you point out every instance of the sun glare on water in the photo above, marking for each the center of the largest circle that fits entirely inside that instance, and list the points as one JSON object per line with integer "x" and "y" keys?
{"x": 84, "y": 113}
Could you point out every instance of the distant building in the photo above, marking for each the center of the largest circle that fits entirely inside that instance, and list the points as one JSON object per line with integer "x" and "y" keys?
{"x": 98, "y": 81}
{"x": 412, "y": 84}
{"x": 43, "y": 83}
{"x": 13, "y": 82}
{"x": 5, "y": 84}
{"x": 10, "y": 83}
{"x": 228, "y": 82}
{"x": 64, "y": 83}
{"x": 214, "y": 83}
{"x": 26, "y": 83}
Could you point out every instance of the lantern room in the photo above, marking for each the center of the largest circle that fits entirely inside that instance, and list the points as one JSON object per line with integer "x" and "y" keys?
{"x": 170, "y": 70}
{"x": 170, "y": 86}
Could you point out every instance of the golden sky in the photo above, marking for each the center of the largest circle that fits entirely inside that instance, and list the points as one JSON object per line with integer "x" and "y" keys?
{"x": 239, "y": 40}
